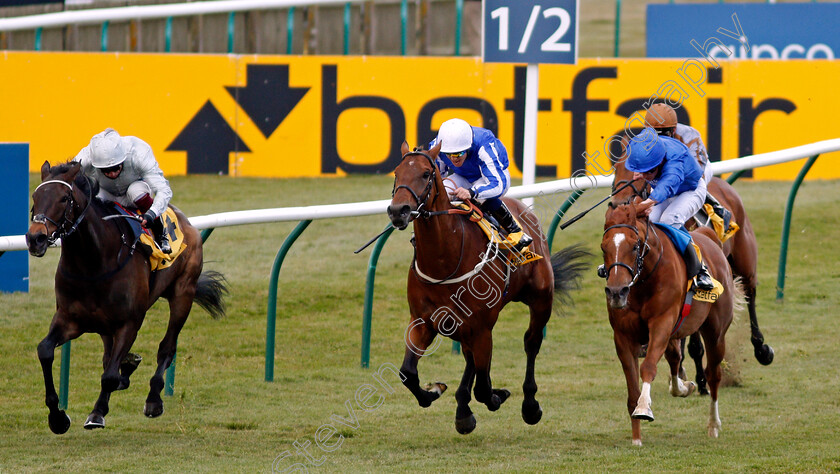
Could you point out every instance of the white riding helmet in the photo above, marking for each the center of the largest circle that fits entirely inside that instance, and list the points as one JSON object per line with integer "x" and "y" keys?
{"x": 106, "y": 149}
{"x": 455, "y": 135}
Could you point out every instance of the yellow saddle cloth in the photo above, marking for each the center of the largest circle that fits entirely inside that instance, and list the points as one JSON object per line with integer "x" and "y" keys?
{"x": 717, "y": 224}
{"x": 172, "y": 227}
{"x": 516, "y": 258}
{"x": 709, "y": 296}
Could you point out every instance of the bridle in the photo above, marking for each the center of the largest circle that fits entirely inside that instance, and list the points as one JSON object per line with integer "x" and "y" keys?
{"x": 67, "y": 225}
{"x": 640, "y": 249}
{"x": 642, "y": 193}
{"x": 421, "y": 201}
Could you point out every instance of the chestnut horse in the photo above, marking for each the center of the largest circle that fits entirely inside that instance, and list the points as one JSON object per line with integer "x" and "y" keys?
{"x": 458, "y": 284}
{"x": 741, "y": 251}
{"x": 645, "y": 289}
{"x": 104, "y": 286}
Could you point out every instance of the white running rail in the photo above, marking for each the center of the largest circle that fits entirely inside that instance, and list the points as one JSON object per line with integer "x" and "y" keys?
{"x": 262, "y": 216}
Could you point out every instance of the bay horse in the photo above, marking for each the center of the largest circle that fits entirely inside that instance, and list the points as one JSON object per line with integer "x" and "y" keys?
{"x": 645, "y": 290}
{"x": 457, "y": 288}
{"x": 104, "y": 286}
{"x": 741, "y": 252}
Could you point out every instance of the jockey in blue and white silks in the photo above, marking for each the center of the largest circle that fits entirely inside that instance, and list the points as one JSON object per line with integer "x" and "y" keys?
{"x": 678, "y": 189}
{"x": 475, "y": 164}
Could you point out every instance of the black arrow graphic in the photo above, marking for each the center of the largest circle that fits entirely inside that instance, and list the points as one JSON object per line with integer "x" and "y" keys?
{"x": 208, "y": 140}
{"x": 267, "y": 98}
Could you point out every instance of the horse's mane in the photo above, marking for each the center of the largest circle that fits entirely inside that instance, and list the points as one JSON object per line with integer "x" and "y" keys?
{"x": 88, "y": 186}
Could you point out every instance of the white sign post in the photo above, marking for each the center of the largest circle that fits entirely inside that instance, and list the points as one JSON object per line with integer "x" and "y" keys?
{"x": 532, "y": 32}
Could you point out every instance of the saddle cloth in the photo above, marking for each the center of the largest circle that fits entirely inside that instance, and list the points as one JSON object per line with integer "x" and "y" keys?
{"x": 157, "y": 259}
{"x": 707, "y": 216}
{"x": 516, "y": 258}
{"x": 681, "y": 239}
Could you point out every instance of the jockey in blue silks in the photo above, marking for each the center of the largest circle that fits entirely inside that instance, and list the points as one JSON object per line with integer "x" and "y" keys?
{"x": 678, "y": 189}
{"x": 475, "y": 164}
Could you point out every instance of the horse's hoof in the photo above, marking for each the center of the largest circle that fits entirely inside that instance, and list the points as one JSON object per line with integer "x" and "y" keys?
{"x": 642, "y": 414}
{"x": 502, "y": 393}
{"x": 465, "y": 425}
{"x": 637, "y": 442}
{"x": 153, "y": 410}
{"x": 531, "y": 412}
{"x": 714, "y": 431}
{"x": 59, "y": 422}
{"x": 764, "y": 354}
{"x": 692, "y": 387}
{"x": 94, "y": 421}
{"x": 702, "y": 390}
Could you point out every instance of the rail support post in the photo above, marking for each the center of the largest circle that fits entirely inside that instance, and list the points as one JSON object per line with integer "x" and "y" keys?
{"x": 272, "y": 298}
{"x": 368, "y": 307}
{"x": 783, "y": 248}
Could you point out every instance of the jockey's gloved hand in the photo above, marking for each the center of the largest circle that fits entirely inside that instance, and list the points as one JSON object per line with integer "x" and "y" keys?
{"x": 148, "y": 217}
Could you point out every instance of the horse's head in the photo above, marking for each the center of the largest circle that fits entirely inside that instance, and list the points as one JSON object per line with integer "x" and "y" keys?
{"x": 623, "y": 251}
{"x": 416, "y": 185}
{"x": 55, "y": 205}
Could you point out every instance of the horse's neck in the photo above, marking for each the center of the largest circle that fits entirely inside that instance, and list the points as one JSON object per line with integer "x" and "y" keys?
{"x": 91, "y": 246}
{"x": 438, "y": 239}
{"x": 659, "y": 248}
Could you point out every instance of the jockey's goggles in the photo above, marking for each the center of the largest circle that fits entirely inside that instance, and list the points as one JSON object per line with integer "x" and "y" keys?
{"x": 457, "y": 155}
{"x": 112, "y": 169}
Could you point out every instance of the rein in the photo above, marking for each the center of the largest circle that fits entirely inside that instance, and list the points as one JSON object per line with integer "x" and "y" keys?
{"x": 422, "y": 213}
{"x": 60, "y": 233}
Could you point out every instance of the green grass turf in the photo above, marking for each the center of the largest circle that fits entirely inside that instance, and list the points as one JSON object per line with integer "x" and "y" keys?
{"x": 225, "y": 418}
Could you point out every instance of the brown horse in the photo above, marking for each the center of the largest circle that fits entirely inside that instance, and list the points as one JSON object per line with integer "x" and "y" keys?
{"x": 104, "y": 286}
{"x": 741, "y": 251}
{"x": 458, "y": 284}
{"x": 645, "y": 289}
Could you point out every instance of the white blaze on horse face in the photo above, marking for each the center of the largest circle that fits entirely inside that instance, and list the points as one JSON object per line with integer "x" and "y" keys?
{"x": 618, "y": 238}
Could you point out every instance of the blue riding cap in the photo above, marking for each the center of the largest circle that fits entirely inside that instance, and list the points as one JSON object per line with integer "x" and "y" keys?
{"x": 645, "y": 151}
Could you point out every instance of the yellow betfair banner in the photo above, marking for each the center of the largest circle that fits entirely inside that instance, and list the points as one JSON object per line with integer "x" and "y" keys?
{"x": 286, "y": 116}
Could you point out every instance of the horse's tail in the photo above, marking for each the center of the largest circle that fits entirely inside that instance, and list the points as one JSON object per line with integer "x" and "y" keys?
{"x": 210, "y": 292}
{"x": 568, "y": 266}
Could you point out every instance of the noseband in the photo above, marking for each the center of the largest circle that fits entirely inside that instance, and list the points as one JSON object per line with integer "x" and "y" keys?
{"x": 641, "y": 249}
{"x": 67, "y": 226}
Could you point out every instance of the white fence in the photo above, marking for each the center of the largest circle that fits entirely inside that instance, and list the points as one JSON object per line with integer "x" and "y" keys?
{"x": 100, "y": 15}
{"x": 262, "y": 216}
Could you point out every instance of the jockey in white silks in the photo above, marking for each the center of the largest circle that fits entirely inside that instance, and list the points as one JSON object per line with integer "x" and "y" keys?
{"x": 475, "y": 164}
{"x": 128, "y": 174}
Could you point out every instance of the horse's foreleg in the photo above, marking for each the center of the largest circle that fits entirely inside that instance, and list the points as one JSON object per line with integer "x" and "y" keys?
{"x": 127, "y": 366}
{"x": 531, "y": 411}
{"x": 674, "y": 356}
{"x": 123, "y": 339}
{"x": 763, "y": 353}
{"x": 58, "y": 420}
{"x": 464, "y": 418}
{"x": 179, "y": 310}
{"x": 627, "y": 350}
{"x": 417, "y": 339}
{"x": 658, "y": 339}
{"x": 696, "y": 351}
{"x": 482, "y": 350}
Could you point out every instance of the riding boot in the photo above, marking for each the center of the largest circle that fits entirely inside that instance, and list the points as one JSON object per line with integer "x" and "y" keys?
{"x": 161, "y": 237}
{"x": 515, "y": 233}
{"x": 719, "y": 210}
{"x": 696, "y": 269}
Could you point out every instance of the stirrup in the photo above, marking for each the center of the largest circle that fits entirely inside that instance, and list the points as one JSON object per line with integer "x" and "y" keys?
{"x": 520, "y": 240}
{"x": 703, "y": 280}
{"x": 164, "y": 246}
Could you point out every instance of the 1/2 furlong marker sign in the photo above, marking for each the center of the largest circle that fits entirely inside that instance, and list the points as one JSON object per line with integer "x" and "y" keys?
{"x": 533, "y": 32}
{"x": 530, "y": 31}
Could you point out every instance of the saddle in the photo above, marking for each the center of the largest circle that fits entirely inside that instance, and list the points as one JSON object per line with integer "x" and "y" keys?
{"x": 490, "y": 227}
{"x": 157, "y": 259}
